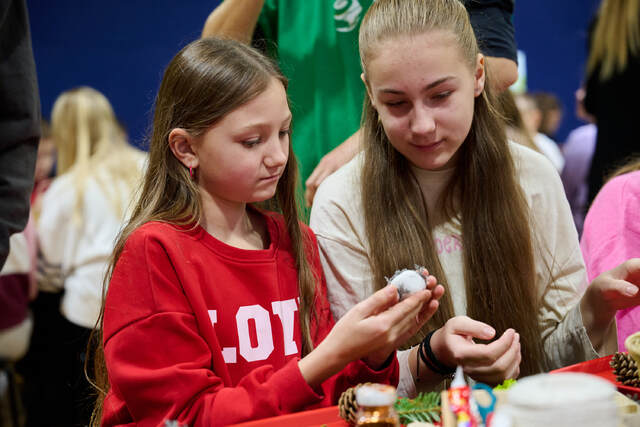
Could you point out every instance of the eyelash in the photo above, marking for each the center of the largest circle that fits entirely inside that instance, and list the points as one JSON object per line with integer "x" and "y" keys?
{"x": 442, "y": 95}
{"x": 253, "y": 142}
{"x": 439, "y": 96}
{"x": 285, "y": 132}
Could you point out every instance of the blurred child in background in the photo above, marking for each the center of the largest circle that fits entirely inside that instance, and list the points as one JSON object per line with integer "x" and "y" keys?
{"x": 78, "y": 219}
{"x": 612, "y": 235}
{"x": 532, "y": 118}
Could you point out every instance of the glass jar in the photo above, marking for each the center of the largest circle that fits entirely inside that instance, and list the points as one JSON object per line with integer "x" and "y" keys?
{"x": 375, "y": 406}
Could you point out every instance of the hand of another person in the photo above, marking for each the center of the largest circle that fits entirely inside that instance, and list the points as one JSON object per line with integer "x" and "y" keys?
{"x": 330, "y": 163}
{"x": 492, "y": 363}
{"x": 613, "y": 290}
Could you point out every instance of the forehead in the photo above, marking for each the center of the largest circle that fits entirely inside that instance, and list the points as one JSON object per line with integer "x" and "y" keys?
{"x": 269, "y": 105}
{"x": 428, "y": 55}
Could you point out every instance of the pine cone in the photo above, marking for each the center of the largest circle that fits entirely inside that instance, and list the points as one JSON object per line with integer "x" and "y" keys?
{"x": 625, "y": 369}
{"x": 348, "y": 405}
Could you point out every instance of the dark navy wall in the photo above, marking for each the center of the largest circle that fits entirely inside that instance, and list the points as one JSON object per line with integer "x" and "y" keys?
{"x": 553, "y": 34}
{"x": 118, "y": 47}
{"x": 121, "y": 48}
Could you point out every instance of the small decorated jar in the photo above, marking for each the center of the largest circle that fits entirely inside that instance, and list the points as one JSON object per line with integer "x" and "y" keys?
{"x": 376, "y": 406}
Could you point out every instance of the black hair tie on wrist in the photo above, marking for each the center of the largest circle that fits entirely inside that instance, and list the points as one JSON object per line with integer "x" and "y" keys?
{"x": 429, "y": 358}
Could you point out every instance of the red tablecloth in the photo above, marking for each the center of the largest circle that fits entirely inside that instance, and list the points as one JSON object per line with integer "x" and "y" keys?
{"x": 331, "y": 418}
{"x": 317, "y": 417}
{"x": 601, "y": 368}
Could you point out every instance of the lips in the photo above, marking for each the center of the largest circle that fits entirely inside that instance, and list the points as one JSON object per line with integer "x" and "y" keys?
{"x": 271, "y": 178}
{"x": 428, "y": 146}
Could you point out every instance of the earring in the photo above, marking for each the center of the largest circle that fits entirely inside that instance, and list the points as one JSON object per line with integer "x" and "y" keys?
{"x": 191, "y": 173}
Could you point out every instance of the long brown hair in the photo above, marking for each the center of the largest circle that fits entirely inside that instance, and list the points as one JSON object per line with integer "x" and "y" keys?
{"x": 483, "y": 193}
{"x": 205, "y": 81}
{"x": 615, "y": 38}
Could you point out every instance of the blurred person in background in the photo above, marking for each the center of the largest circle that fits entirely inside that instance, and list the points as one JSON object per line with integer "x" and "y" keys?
{"x": 80, "y": 216}
{"x": 19, "y": 120}
{"x": 532, "y": 117}
{"x": 17, "y": 276}
{"x": 515, "y": 127}
{"x": 19, "y": 132}
{"x": 612, "y": 234}
{"x": 613, "y": 88}
{"x": 45, "y": 163}
{"x": 550, "y": 113}
{"x": 578, "y": 152}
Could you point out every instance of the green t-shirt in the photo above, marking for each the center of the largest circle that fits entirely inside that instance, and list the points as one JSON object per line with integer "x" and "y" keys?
{"x": 317, "y": 49}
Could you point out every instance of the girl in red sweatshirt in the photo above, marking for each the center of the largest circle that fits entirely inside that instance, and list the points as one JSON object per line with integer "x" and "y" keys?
{"x": 216, "y": 310}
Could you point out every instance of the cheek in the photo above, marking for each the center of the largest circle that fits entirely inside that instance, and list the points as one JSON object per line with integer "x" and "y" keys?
{"x": 394, "y": 127}
{"x": 459, "y": 117}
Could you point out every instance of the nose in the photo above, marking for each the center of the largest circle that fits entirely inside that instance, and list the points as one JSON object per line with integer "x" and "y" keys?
{"x": 277, "y": 152}
{"x": 422, "y": 121}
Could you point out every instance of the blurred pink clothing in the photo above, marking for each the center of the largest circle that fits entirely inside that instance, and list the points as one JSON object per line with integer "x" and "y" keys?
{"x": 611, "y": 235}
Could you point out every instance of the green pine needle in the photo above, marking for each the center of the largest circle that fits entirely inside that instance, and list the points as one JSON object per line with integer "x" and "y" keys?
{"x": 425, "y": 407}
{"x": 506, "y": 384}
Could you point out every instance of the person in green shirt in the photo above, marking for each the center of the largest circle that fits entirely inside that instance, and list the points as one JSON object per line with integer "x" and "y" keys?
{"x": 316, "y": 45}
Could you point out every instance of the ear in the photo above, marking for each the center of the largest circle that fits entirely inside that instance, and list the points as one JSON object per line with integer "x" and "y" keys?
{"x": 181, "y": 143}
{"x": 479, "y": 76}
{"x": 366, "y": 86}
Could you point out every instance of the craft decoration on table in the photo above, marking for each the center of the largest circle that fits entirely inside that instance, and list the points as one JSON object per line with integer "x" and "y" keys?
{"x": 632, "y": 343}
{"x": 559, "y": 399}
{"x": 461, "y": 402}
{"x": 375, "y": 406}
{"x": 625, "y": 369}
{"x": 423, "y": 408}
{"x": 408, "y": 281}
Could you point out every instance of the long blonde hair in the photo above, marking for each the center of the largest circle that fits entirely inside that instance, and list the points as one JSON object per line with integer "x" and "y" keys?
{"x": 90, "y": 144}
{"x": 616, "y": 37}
{"x": 497, "y": 243}
{"x": 205, "y": 81}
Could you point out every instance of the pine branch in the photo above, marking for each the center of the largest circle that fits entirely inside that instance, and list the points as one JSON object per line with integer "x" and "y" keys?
{"x": 425, "y": 407}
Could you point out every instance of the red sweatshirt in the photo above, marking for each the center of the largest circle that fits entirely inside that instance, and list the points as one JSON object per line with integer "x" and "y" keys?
{"x": 208, "y": 334}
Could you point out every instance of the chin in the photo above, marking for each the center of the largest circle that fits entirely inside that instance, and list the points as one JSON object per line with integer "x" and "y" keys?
{"x": 262, "y": 196}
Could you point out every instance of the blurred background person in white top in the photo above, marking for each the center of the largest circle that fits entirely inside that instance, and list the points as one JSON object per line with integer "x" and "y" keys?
{"x": 532, "y": 118}
{"x": 80, "y": 216}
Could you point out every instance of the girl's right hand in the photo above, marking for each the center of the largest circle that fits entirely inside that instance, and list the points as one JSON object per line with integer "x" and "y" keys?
{"x": 376, "y": 326}
{"x": 371, "y": 330}
{"x": 491, "y": 363}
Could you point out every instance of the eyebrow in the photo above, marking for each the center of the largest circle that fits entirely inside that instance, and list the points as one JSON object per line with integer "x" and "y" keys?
{"x": 258, "y": 123}
{"x": 428, "y": 87}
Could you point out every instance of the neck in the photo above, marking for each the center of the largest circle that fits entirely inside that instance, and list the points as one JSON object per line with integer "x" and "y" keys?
{"x": 232, "y": 223}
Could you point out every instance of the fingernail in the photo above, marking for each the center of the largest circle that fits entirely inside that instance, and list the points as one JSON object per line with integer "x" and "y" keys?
{"x": 488, "y": 331}
{"x": 630, "y": 290}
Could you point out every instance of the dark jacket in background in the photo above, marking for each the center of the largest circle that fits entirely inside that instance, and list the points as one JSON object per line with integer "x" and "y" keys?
{"x": 19, "y": 120}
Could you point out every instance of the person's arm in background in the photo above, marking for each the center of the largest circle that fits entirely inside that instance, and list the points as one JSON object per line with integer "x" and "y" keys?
{"x": 331, "y": 162}
{"x": 19, "y": 120}
{"x": 491, "y": 21}
{"x": 236, "y": 19}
